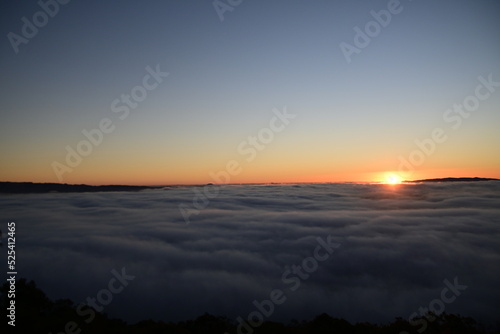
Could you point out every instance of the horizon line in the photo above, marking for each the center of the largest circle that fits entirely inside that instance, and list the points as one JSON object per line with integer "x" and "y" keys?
{"x": 258, "y": 183}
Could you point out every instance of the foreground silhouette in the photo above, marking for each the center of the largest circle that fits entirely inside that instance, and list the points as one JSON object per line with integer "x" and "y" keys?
{"x": 36, "y": 313}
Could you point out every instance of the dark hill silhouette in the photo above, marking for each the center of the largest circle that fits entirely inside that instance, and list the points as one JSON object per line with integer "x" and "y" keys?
{"x": 36, "y": 313}
{"x": 453, "y": 179}
{"x": 30, "y": 187}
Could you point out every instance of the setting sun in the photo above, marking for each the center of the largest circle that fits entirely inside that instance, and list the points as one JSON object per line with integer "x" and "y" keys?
{"x": 393, "y": 179}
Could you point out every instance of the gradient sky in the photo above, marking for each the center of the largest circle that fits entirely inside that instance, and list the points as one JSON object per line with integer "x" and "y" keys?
{"x": 353, "y": 120}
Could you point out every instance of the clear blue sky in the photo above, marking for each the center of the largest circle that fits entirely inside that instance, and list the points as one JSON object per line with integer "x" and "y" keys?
{"x": 225, "y": 77}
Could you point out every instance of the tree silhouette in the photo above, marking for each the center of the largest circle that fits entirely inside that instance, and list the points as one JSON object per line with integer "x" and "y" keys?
{"x": 35, "y": 313}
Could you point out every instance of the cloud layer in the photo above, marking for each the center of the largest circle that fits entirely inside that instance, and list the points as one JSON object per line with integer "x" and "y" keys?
{"x": 397, "y": 246}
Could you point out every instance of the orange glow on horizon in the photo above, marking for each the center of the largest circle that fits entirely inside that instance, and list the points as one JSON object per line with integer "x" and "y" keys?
{"x": 140, "y": 172}
{"x": 393, "y": 179}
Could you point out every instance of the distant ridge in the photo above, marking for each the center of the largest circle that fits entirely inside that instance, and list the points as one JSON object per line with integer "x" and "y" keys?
{"x": 30, "y": 187}
{"x": 39, "y": 188}
{"x": 454, "y": 179}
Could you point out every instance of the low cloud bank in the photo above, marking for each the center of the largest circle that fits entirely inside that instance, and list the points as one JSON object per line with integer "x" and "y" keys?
{"x": 398, "y": 244}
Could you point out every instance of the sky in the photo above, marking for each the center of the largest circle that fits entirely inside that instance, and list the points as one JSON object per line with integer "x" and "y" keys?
{"x": 389, "y": 250}
{"x": 257, "y": 91}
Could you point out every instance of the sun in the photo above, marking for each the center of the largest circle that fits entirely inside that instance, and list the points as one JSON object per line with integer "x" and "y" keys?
{"x": 393, "y": 179}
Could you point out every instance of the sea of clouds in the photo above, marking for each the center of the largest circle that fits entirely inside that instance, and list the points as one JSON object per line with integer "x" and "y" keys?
{"x": 396, "y": 246}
